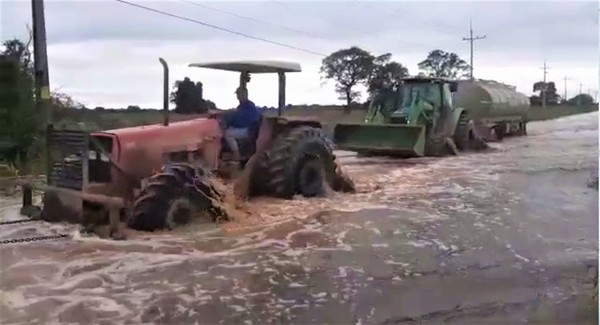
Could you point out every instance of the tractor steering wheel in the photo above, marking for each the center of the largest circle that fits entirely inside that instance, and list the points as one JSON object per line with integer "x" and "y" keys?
{"x": 222, "y": 123}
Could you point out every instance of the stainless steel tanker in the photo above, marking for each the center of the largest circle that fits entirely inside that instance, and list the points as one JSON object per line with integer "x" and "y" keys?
{"x": 497, "y": 109}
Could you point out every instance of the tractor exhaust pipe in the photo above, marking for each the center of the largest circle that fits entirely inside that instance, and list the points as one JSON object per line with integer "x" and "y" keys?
{"x": 165, "y": 91}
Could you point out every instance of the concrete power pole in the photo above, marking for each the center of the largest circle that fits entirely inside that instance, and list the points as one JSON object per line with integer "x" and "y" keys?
{"x": 565, "y": 96}
{"x": 544, "y": 86}
{"x": 42, "y": 79}
{"x": 580, "y": 93}
{"x": 471, "y": 39}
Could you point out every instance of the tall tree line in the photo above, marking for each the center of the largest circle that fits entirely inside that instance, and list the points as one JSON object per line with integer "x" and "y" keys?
{"x": 354, "y": 66}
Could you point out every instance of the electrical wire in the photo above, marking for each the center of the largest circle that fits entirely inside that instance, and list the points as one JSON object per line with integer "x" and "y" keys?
{"x": 442, "y": 30}
{"x": 220, "y": 28}
{"x": 194, "y": 3}
{"x": 282, "y": 4}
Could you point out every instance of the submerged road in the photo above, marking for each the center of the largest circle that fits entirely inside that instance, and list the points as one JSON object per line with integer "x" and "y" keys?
{"x": 507, "y": 236}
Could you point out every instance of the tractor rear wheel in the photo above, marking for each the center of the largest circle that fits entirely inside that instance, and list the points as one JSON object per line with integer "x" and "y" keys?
{"x": 462, "y": 134}
{"x": 175, "y": 196}
{"x": 300, "y": 161}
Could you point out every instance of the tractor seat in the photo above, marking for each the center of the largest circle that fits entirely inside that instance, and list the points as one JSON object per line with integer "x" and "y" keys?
{"x": 247, "y": 143}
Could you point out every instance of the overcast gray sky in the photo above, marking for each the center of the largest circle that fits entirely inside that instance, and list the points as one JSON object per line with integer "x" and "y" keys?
{"x": 105, "y": 53}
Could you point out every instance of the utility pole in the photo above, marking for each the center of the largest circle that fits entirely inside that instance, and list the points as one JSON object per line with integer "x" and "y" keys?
{"x": 580, "y": 92}
{"x": 565, "y": 97}
{"x": 42, "y": 79}
{"x": 471, "y": 39}
{"x": 544, "y": 86}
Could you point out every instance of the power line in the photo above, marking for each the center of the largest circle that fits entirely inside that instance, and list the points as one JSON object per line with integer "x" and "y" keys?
{"x": 194, "y": 3}
{"x": 395, "y": 14}
{"x": 471, "y": 39}
{"x": 221, "y": 28}
{"x": 282, "y": 4}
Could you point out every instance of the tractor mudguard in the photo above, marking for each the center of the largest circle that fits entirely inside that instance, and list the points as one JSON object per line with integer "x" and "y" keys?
{"x": 381, "y": 139}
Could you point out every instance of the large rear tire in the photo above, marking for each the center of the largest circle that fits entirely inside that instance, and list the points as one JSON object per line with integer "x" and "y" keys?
{"x": 462, "y": 133}
{"x": 300, "y": 161}
{"x": 175, "y": 196}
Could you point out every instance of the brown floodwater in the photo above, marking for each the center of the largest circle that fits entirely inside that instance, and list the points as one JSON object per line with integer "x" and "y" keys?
{"x": 509, "y": 236}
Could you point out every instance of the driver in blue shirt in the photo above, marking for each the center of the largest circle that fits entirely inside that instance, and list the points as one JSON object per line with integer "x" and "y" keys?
{"x": 239, "y": 121}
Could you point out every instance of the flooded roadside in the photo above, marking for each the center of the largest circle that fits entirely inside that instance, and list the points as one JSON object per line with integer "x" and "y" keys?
{"x": 509, "y": 235}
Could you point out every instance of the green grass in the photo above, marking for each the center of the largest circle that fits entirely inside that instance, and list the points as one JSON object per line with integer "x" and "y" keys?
{"x": 93, "y": 120}
{"x": 553, "y": 112}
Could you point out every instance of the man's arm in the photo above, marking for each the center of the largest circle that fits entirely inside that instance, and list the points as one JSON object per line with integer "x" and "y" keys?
{"x": 223, "y": 115}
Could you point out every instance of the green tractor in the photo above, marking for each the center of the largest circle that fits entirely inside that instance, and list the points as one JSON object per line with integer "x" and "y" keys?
{"x": 414, "y": 120}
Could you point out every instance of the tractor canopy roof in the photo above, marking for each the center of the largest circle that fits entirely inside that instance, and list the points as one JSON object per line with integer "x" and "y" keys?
{"x": 252, "y": 66}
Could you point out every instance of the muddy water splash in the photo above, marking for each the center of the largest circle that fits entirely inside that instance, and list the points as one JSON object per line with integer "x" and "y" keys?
{"x": 413, "y": 240}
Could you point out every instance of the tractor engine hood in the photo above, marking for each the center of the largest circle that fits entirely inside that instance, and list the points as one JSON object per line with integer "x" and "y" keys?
{"x": 141, "y": 150}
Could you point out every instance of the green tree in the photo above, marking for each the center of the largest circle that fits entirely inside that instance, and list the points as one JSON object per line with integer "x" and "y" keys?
{"x": 386, "y": 74}
{"x": 445, "y": 65}
{"x": 348, "y": 68}
{"x": 549, "y": 88}
{"x": 19, "y": 120}
{"x": 188, "y": 97}
{"x": 581, "y": 100}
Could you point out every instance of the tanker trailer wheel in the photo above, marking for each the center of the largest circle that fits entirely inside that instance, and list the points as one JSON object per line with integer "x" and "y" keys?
{"x": 500, "y": 131}
{"x": 173, "y": 197}
{"x": 522, "y": 129}
{"x": 300, "y": 161}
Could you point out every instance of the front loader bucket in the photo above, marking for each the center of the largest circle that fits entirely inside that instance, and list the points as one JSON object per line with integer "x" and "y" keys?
{"x": 381, "y": 139}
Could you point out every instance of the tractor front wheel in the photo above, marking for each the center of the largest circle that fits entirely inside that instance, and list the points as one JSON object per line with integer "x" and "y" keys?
{"x": 175, "y": 196}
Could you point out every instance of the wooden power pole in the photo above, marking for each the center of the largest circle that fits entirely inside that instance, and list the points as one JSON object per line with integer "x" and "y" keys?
{"x": 42, "y": 79}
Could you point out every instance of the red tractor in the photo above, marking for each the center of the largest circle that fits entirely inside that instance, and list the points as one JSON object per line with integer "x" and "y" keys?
{"x": 158, "y": 176}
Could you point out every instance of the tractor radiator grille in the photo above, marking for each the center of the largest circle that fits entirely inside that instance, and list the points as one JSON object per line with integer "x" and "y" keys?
{"x": 69, "y": 157}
